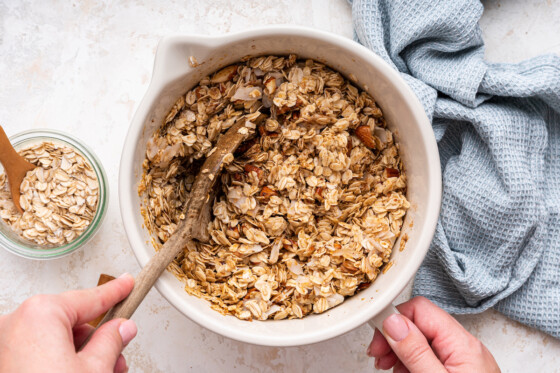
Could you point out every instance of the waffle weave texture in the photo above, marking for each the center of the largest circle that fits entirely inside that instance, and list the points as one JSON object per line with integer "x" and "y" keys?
{"x": 497, "y": 242}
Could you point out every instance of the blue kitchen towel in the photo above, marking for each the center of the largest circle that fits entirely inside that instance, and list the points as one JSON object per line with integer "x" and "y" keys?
{"x": 497, "y": 242}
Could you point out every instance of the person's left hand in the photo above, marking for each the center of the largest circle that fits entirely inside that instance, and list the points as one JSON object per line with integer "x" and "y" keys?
{"x": 44, "y": 332}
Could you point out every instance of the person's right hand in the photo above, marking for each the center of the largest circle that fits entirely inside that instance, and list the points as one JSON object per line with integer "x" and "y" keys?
{"x": 44, "y": 333}
{"x": 425, "y": 338}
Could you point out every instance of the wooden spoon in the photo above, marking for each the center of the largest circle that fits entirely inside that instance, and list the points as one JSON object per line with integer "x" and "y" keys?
{"x": 103, "y": 279}
{"x": 15, "y": 165}
{"x": 187, "y": 230}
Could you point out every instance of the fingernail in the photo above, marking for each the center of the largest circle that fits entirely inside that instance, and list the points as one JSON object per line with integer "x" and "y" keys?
{"x": 376, "y": 364}
{"x": 368, "y": 351}
{"x": 127, "y": 330}
{"x": 395, "y": 327}
{"x": 126, "y": 274}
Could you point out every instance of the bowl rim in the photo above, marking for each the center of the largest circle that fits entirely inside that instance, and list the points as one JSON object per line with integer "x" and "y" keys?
{"x": 103, "y": 198}
{"x": 127, "y": 179}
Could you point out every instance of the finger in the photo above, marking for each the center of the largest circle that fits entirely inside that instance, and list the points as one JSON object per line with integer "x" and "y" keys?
{"x": 378, "y": 346}
{"x": 387, "y": 361}
{"x": 445, "y": 334}
{"x": 80, "y": 334}
{"x": 85, "y": 305}
{"x": 429, "y": 318}
{"x": 410, "y": 345}
{"x": 120, "y": 366}
{"x": 107, "y": 343}
{"x": 400, "y": 368}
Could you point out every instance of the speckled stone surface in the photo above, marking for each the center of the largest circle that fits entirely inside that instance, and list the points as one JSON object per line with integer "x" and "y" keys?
{"x": 82, "y": 67}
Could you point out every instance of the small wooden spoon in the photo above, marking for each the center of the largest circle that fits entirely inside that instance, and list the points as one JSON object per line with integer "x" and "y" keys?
{"x": 103, "y": 279}
{"x": 15, "y": 165}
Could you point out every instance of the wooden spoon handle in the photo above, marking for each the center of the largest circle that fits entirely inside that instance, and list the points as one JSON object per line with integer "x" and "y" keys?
{"x": 142, "y": 285}
{"x": 144, "y": 282}
{"x": 8, "y": 154}
{"x": 200, "y": 196}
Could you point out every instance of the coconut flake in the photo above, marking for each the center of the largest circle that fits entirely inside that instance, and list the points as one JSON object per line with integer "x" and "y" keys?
{"x": 273, "y": 309}
{"x": 294, "y": 267}
{"x": 334, "y": 300}
{"x": 247, "y": 94}
{"x": 381, "y": 134}
{"x": 267, "y": 102}
{"x": 168, "y": 154}
{"x": 295, "y": 76}
{"x": 151, "y": 148}
{"x": 275, "y": 252}
{"x": 371, "y": 244}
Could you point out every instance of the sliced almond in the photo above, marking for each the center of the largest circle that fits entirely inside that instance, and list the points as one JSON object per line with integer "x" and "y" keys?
{"x": 267, "y": 192}
{"x": 319, "y": 194}
{"x": 364, "y": 134}
{"x": 251, "y": 168}
{"x": 224, "y": 75}
{"x": 391, "y": 172}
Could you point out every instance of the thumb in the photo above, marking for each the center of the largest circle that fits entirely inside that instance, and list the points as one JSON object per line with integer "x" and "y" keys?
{"x": 410, "y": 345}
{"x": 107, "y": 343}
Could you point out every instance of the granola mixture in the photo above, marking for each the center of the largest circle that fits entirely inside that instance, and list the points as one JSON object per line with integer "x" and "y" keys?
{"x": 308, "y": 208}
{"x": 58, "y": 198}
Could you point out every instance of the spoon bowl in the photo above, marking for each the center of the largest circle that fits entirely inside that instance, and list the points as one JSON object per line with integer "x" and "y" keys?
{"x": 15, "y": 165}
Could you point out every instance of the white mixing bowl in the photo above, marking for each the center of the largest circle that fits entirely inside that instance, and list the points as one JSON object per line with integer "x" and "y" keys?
{"x": 173, "y": 76}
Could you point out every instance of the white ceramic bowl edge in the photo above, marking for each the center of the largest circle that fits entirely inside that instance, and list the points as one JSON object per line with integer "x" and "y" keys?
{"x": 173, "y": 76}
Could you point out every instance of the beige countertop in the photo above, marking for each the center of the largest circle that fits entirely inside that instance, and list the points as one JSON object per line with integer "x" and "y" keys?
{"x": 83, "y": 66}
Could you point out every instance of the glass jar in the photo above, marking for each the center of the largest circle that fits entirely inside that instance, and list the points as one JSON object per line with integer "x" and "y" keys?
{"x": 16, "y": 244}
